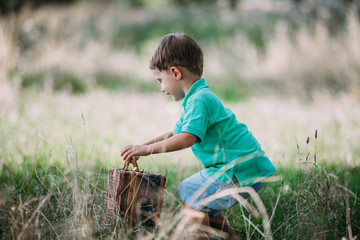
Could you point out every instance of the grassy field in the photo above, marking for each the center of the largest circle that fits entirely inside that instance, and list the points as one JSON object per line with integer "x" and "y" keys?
{"x": 56, "y": 149}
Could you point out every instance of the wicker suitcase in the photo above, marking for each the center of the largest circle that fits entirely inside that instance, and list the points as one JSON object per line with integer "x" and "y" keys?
{"x": 136, "y": 196}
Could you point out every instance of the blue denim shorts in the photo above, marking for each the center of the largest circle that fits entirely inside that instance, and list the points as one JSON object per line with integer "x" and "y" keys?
{"x": 193, "y": 190}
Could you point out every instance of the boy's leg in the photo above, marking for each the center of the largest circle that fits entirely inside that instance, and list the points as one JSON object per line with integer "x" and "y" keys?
{"x": 190, "y": 186}
{"x": 221, "y": 223}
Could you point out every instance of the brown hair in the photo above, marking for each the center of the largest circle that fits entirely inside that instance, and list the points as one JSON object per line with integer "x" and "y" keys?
{"x": 178, "y": 49}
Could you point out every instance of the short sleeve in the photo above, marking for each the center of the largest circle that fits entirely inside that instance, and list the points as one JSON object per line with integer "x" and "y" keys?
{"x": 196, "y": 119}
{"x": 178, "y": 127}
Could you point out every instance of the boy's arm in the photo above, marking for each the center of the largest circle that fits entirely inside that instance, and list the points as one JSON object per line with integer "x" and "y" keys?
{"x": 159, "y": 138}
{"x": 174, "y": 143}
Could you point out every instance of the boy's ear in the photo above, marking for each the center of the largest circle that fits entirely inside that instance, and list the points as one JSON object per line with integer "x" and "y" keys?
{"x": 176, "y": 72}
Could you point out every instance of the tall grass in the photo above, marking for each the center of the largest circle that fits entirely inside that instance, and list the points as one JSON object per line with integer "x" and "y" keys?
{"x": 42, "y": 200}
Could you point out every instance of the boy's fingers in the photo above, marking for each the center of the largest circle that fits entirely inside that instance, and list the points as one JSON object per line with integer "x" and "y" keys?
{"x": 129, "y": 155}
{"x": 128, "y": 152}
{"x": 125, "y": 149}
{"x": 126, "y": 156}
{"x": 123, "y": 154}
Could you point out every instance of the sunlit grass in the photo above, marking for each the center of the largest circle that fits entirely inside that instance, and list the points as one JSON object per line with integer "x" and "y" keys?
{"x": 103, "y": 122}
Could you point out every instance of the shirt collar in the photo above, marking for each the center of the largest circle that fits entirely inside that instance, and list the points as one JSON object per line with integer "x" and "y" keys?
{"x": 199, "y": 84}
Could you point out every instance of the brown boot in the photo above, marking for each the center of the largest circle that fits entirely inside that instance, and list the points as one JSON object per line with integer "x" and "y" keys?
{"x": 219, "y": 222}
{"x": 202, "y": 229}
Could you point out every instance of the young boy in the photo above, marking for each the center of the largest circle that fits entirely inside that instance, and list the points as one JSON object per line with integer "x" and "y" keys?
{"x": 226, "y": 148}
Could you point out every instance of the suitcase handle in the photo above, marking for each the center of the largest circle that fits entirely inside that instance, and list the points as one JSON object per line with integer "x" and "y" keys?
{"x": 133, "y": 162}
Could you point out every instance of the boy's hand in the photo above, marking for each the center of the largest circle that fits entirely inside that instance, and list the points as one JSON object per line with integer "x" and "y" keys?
{"x": 128, "y": 152}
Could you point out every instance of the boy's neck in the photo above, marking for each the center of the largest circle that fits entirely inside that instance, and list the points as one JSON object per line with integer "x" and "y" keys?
{"x": 188, "y": 79}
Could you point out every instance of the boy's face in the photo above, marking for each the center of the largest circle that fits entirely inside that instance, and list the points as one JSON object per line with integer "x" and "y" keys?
{"x": 170, "y": 84}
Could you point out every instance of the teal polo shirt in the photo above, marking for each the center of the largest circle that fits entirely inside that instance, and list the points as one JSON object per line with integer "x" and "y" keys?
{"x": 225, "y": 147}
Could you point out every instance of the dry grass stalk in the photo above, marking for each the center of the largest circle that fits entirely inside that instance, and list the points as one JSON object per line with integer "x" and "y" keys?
{"x": 35, "y": 213}
{"x": 82, "y": 221}
{"x": 347, "y": 204}
{"x": 8, "y": 60}
{"x": 24, "y": 219}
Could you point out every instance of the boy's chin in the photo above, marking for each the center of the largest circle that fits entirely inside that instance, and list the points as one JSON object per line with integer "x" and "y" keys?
{"x": 176, "y": 99}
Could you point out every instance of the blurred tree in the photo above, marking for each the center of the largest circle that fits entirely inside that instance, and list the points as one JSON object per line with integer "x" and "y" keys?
{"x": 188, "y": 2}
{"x": 339, "y": 5}
{"x": 332, "y": 12}
{"x": 10, "y": 6}
{"x": 185, "y": 3}
{"x": 233, "y": 3}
